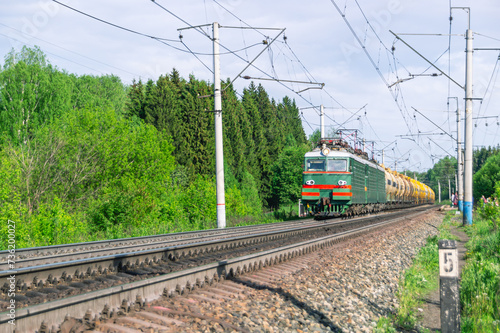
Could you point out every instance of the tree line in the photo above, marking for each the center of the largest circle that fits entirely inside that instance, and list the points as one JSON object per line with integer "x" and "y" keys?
{"x": 88, "y": 157}
{"x": 486, "y": 173}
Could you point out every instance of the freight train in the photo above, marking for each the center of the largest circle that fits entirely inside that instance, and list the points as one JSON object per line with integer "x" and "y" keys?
{"x": 341, "y": 181}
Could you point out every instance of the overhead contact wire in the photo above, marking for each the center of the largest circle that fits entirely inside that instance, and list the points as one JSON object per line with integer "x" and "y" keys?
{"x": 114, "y": 25}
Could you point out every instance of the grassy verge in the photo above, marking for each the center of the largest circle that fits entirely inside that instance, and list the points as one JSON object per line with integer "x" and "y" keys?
{"x": 418, "y": 280}
{"x": 480, "y": 285}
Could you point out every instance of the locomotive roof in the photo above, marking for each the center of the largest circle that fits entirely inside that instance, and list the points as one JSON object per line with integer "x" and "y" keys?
{"x": 345, "y": 154}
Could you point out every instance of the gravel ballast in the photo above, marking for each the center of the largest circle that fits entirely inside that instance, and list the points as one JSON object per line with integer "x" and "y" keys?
{"x": 345, "y": 288}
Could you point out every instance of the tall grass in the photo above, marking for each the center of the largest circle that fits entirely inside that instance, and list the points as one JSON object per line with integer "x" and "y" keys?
{"x": 480, "y": 285}
{"x": 417, "y": 281}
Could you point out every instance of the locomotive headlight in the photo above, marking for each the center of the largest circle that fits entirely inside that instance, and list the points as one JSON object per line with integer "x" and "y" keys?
{"x": 342, "y": 182}
{"x": 310, "y": 182}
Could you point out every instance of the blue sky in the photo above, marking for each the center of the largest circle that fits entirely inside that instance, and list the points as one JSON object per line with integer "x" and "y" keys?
{"x": 319, "y": 47}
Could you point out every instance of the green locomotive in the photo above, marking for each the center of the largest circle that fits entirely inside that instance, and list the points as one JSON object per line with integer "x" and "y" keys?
{"x": 340, "y": 181}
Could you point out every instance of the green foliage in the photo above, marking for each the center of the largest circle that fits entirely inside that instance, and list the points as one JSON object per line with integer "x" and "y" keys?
{"x": 443, "y": 170}
{"x": 384, "y": 325}
{"x": 28, "y": 95}
{"x": 53, "y": 225}
{"x": 89, "y": 164}
{"x": 255, "y": 127}
{"x": 250, "y": 193}
{"x": 446, "y": 168}
{"x": 198, "y": 203}
{"x": 419, "y": 279}
{"x": 34, "y": 93}
{"x": 480, "y": 285}
{"x": 86, "y": 158}
{"x": 480, "y": 157}
{"x": 92, "y": 92}
{"x": 10, "y": 202}
{"x": 286, "y": 176}
{"x": 314, "y": 138}
{"x": 486, "y": 178}
{"x": 490, "y": 211}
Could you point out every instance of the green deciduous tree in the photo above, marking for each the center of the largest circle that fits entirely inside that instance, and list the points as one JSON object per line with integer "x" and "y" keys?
{"x": 443, "y": 170}
{"x": 480, "y": 156}
{"x": 486, "y": 178}
{"x": 32, "y": 92}
{"x": 286, "y": 179}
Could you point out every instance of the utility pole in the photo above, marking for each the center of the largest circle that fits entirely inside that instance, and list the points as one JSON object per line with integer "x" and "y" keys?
{"x": 467, "y": 212}
{"x": 467, "y": 203}
{"x": 439, "y": 190}
{"x": 322, "y": 121}
{"x": 219, "y": 151}
{"x": 449, "y": 189}
{"x": 459, "y": 176}
{"x": 383, "y": 158}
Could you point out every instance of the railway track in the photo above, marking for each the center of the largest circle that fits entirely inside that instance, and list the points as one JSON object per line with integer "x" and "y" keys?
{"x": 30, "y": 257}
{"x": 48, "y": 293}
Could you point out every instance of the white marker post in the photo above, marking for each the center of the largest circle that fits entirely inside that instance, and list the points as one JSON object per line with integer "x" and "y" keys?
{"x": 448, "y": 286}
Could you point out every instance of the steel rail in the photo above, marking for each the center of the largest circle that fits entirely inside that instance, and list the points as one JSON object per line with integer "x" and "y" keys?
{"x": 89, "y": 246}
{"x": 122, "y": 246}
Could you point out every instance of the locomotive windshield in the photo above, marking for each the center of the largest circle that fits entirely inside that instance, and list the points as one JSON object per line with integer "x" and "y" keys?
{"x": 316, "y": 165}
{"x": 337, "y": 165}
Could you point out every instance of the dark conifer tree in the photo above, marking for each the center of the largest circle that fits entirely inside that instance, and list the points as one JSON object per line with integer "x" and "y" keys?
{"x": 136, "y": 100}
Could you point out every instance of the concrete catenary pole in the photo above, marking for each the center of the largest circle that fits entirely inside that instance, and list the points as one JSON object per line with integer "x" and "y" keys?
{"x": 449, "y": 189}
{"x": 459, "y": 181}
{"x": 322, "y": 121}
{"x": 439, "y": 190}
{"x": 383, "y": 158}
{"x": 467, "y": 212}
{"x": 219, "y": 151}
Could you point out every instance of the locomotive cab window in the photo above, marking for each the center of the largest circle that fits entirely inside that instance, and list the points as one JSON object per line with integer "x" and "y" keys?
{"x": 337, "y": 165}
{"x": 315, "y": 165}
